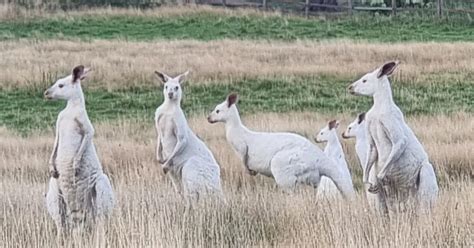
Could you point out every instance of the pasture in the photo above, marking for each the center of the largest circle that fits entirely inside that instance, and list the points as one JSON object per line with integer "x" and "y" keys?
{"x": 292, "y": 75}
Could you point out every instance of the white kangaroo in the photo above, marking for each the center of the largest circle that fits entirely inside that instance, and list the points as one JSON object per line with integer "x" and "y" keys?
{"x": 358, "y": 130}
{"x": 184, "y": 157}
{"x": 288, "y": 158}
{"x": 335, "y": 152}
{"x": 79, "y": 192}
{"x": 403, "y": 171}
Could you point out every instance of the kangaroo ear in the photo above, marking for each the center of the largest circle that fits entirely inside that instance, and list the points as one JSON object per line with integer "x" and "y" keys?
{"x": 388, "y": 68}
{"x": 78, "y": 73}
{"x": 361, "y": 118}
{"x": 86, "y": 71}
{"x": 333, "y": 124}
{"x": 182, "y": 78}
{"x": 232, "y": 98}
{"x": 162, "y": 77}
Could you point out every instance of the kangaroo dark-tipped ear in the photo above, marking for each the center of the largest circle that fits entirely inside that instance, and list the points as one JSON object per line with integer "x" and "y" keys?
{"x": 361, "y": 118}
{"x": 232, "y": 98}
{"x": 333, "y": 124}
{"x": 77, "y": 73}
{"x": 162, "y": 77}
{"x": 388, "y": 68}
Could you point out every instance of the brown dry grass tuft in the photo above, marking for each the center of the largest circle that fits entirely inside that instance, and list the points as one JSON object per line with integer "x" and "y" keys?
{"x": 258, "y": 214}
{"x": 119, "y": 64}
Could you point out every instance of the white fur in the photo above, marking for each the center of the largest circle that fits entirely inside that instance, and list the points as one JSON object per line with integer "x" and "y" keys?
{"x": 357, "y": 130}
{"x": 82, "y": 191}
{"x": 288, "y": 158}
{"x": 184, "y": 157}
{"x": 335, "y": 152}
{"x": 395, "y": 153}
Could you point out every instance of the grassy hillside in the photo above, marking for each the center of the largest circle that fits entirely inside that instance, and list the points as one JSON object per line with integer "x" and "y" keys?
{"x": 314, "y": 94}
{"x": 202, "y": 25}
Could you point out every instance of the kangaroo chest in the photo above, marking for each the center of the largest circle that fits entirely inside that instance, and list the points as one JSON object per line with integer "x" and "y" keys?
{"x": 71, "y": 134}
{"x": 381, "y": 139}
{"x": 168, "y": 138}
{"x": 361, "y": 148}
{"x": 335, "y": 153}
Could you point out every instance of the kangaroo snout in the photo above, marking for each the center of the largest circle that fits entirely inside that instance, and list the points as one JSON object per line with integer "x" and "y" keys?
{"x": 209, "y": 119}
{"x": 47, "y": 94}
{"x": 344, "y": 136}
{"x": 350, "y": 88}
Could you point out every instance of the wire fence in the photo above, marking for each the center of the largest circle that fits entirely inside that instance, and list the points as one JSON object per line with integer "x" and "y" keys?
{"x": 440, "y": 7}
{"x": 305, "y": 7}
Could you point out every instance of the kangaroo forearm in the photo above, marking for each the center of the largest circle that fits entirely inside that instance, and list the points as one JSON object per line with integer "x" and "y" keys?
{"x": 87, "y": 133}
{"x": 85, "y": 140}
{"x": 159, "y": 149}
{"x": 53, "y": 156}
{"x": 159, "y": 146}
{"x": 52, "y": 160}
{"x": 372, "y": 157}
{"x": 245, "y": 160}
{"x": 177, "y": 149}
{"x": 367, "y": 171}
{"x": 159, "y": 153}
{"x": 395, "y": 153}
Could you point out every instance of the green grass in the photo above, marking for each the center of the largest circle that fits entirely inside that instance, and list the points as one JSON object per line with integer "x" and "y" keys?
{"x": 211, "y": 26}
{"x": 25, "y": 110}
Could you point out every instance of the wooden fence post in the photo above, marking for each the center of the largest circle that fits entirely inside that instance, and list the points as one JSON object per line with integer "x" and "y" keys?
{"x": 264, "y": 4}
{"x": 440, "y": 8}
{"x": 349, "y": 2}
{"x": 224, "y": 3}
{"x": 306, "y": 8}
{"x": 394, "y": 7}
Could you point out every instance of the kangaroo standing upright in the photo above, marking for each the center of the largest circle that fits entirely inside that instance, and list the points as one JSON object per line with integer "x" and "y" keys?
{"x": 184, "y": 157}
{"x": 401, "y": 165}
{"x": 79, "y": 192}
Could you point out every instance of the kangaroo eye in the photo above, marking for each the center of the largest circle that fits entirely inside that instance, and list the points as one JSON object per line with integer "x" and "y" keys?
{"x": 176, "y": 88}
{"x": 217, "y": 111}
{"x": 61, "y": 85}
{"x": 364, "y": 81}
{"x": 166, "y": 87}
{"x": 350, "y": 128}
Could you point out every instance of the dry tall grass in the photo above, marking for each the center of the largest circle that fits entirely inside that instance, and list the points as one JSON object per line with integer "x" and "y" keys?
{"x": 120, "y": 63}
{"x": 12, "y": 11}
{"x": 258, "y": 214}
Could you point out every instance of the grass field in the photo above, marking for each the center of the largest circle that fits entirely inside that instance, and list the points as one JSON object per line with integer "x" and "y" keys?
{"x": 258, "y": 95}
{"x": 209, "y": 25}
{"x": 258, "y": 214}
{"x": 291, "y": 74}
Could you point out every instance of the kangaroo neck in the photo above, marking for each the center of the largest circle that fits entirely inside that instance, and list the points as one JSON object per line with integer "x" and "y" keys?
{"x": 76, "y": 102}
{"x": 333, "y": 146}
{"x": 234, "y": 126}
{"x": 172, "y": 107}
{"x": 383, "y": 97}
{"x": 361, "y": 139}
{"x": 175, "y": 103}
